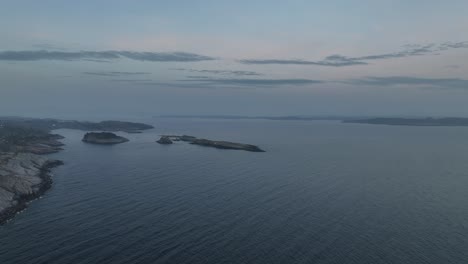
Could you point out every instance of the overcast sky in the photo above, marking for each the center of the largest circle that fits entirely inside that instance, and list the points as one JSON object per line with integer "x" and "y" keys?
{"x": 103, "y": 58}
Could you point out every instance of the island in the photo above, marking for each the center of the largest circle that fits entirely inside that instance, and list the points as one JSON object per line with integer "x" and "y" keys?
{"x": 103, "y": 138}
{"x": 429, "y": 121}
{"x": 211, "y": 143}
{"x": 24, "y": 170}
{"x": 164, "y": 140}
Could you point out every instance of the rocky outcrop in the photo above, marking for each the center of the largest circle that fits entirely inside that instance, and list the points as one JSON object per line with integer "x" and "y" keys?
{"x": 226, "y": 145}
{"x": 23, "y": 177}
{"x": 214, "y": 143}
{"x": 164, "y": 140}
{"x": 103, "y": 138}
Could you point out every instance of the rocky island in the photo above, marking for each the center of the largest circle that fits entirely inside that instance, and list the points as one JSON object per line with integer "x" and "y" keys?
{"x": 24, "y": 172}
{"x": 103, "y": 138}
{"x": 164, "y": 140}
{"x": 211, "y": 143}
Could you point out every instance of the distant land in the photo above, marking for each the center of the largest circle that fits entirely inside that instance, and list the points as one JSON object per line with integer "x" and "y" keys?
{"x": 429, "y": 121}
{"x": 292, "y": 118}
{"x": 397, "y": 121}
{"x": 47, "y": 124}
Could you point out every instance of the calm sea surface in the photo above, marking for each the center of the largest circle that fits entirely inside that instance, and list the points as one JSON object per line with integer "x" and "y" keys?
{"x": 324, "y": 192}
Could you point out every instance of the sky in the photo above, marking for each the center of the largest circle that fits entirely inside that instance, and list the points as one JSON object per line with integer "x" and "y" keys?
{"x": 256, "y": 57}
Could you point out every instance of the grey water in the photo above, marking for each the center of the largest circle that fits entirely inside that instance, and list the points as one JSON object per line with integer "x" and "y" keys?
{"x": 324, "y": 192}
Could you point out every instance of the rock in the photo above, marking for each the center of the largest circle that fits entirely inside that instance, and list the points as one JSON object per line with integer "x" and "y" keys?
{"x": 226, "y": 145}
{"x": 212, "y": 143}
{"x": 23, "y": 177}
{"x": 104, "y": 138}
{"x": 187, "y": 138}
{"x": 39, "y": 149}
{"x": 164, "y": 140}
{"x": 133, "y": 131}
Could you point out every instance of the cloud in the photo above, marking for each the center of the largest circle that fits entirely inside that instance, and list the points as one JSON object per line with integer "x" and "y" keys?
{"x": 206, "y": 82}
{"x": 35, "y": 55}
{"x": 327, "y": 62}
{"x": 131, "y": 80}
{"x": 222, "y": 72}
{"x": 410, "y": 50}
{"x": 453, "y": 45}
{"x": 255, "y": 82}
{"x": 449, "y": 83}
{"x": 342, "y": 61}
{"x": 92, "y": 60}
{"x": 158, "y": 84}
{"x": 164, "y": 56}
{"x": 115, "y": 73}
{"x": 197, "y": 77}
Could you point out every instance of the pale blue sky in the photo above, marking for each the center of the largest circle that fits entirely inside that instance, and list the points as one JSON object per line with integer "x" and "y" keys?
{"x": 234, "y": 57}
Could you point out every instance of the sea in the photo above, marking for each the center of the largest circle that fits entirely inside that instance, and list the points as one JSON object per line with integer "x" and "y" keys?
{"x": 323, "y": 192}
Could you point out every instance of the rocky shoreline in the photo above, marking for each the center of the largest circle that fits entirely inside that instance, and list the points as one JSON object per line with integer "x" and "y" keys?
{"x": 24, "y": 172}
{"x": 24, "y": 177}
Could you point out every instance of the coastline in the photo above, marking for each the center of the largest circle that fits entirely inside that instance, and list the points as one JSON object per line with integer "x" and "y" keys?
{"x": 25, "y": 174}
{"x": 20, "y": 201}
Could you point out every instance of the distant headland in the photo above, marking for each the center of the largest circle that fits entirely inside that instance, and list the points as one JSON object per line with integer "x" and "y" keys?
{"x": 429, "y": 121}
{"x": 398, "y": 121}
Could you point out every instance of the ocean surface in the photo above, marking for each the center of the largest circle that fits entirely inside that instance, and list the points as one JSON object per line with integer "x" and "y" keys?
{"x": 324, "y": 192}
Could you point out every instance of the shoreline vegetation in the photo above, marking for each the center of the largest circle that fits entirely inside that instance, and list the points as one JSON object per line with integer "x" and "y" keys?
{"x": 24, "y": 170}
